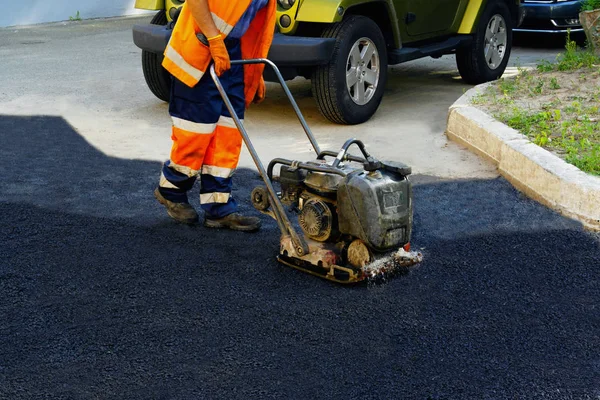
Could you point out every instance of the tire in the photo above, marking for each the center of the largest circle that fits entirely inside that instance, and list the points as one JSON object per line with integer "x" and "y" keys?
{"x": 473, "y": 64}
{"x": 334, "y": 94}
{"x": 157, "y": 78}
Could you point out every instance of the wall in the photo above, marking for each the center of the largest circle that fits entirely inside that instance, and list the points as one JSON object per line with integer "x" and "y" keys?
{"x": 27, "y": 12}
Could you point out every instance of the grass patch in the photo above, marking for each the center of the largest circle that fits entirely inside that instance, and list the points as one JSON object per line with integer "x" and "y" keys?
{"x": 571, "y": 59}
{"x": 556, "y": 105}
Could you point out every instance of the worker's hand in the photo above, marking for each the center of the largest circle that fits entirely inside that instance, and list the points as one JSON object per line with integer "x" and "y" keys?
{"x": 219, "y": 54}
{"x": 260, "y": 92}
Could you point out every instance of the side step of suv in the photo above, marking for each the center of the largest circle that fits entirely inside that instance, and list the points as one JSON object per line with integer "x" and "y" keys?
{"x": 431, "y": 50}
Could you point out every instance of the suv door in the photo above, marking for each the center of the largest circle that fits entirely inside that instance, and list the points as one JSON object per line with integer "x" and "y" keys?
{"x": 428, "y": 16}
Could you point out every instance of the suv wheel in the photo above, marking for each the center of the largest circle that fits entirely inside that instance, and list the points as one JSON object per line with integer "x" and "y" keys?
{"x": 157, "y": 78}
{"x": 349, "y": 89}
{"x": 486, "y": 58}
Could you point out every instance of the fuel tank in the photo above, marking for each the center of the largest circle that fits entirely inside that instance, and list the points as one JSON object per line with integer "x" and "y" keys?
{"x": 376, "y": 207}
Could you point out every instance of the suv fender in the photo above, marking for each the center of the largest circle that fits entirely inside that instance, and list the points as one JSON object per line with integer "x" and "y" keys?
{"x": 150, "y": 4}
{"x": 475, "y": 8}
{"x": 332, "y": 11}
{"x": 170, "y": 7}
{"x": 486, "y": 58}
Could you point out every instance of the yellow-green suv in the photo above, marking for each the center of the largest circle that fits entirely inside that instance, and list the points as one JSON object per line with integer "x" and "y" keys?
{"x": 345, "y": 46}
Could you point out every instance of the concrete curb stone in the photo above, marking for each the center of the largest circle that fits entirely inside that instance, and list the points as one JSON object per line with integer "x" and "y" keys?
{"x": 533, "y": 170}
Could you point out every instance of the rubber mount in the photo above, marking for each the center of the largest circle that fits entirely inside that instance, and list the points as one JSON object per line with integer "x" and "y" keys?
{"x": 359, "y": 254}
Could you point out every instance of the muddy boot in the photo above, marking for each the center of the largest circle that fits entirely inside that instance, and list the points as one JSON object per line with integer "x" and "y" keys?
{"x": 235, "y": 221}
{"x": 181, "y": 212}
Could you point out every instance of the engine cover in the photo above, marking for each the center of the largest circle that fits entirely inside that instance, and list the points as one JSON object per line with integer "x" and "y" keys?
{"x": 316, "y": 219}
{"x": 376, "y": 207}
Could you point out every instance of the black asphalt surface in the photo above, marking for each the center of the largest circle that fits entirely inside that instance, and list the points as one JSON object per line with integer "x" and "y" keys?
{"x": 102, "y": 296}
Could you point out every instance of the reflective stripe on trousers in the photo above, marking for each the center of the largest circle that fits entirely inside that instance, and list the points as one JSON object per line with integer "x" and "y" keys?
{"x": 205, "y": 140}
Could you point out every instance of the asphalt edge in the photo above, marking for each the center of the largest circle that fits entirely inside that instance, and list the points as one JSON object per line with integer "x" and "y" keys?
{"x": 531, "y": 169}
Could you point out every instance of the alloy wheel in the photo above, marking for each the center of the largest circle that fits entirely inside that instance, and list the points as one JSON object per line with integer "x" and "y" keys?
{"x": 363, "y": 69}
{"x": 495, "y": 41}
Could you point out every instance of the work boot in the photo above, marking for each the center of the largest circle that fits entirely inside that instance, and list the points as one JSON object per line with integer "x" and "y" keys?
{"x": 235, "y": 221}
{"x": 181, "y": 212}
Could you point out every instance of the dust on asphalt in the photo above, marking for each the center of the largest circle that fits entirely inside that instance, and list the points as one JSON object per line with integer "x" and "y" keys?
{"x": 102, "y": 295}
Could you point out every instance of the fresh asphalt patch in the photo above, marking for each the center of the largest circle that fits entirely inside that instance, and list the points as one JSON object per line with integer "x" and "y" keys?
{"x": 103, "y": 296}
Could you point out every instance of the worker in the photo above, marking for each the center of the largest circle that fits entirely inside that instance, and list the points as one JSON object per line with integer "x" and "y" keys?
{"x": 206, "y": 141}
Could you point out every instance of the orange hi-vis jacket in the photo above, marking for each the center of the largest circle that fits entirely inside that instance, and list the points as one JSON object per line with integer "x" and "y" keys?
{"x": 188, "y": 59}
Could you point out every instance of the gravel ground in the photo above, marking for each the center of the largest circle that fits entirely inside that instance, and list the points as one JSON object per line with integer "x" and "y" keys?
{"x": 103, "y": 296}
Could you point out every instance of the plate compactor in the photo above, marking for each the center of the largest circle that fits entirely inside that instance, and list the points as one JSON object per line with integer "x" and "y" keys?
{"x": 354, "y": 213}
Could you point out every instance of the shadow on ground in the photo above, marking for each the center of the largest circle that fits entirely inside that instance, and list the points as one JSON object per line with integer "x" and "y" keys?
{"x": 102, "y": 296}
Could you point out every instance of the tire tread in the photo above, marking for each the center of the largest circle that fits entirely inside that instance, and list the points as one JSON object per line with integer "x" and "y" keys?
{"x": 157, "y": 78}
{"x": 470, "y": 62}
{"x": 324, "y": 81}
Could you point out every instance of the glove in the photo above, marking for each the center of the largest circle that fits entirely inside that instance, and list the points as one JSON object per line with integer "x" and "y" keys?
{"x": 219, "y": 54}
{"x": 260, "y": 92}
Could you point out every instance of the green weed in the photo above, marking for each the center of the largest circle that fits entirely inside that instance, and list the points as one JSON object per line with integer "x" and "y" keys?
{"x": 545, "y": 66}
{"x": 507, "y": 86}
{"x": 77, "y": 17}
{"x": 539, "y": 87}
{"x": 590, "y": 5}
{"x": 571, "y": 59}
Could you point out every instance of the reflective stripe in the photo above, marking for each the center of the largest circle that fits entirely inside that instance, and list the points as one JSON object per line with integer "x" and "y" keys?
{"x": 194, "y": 127}
{"x": 165, "y": 183}
{"x": 178, "y": 60}
{"x": 227, "y": 122}
{"x": 218, "y": 172}
{"x": 207, "y": 198}
{"x": 183, "y": 169}
{"x": 221, "y": 25}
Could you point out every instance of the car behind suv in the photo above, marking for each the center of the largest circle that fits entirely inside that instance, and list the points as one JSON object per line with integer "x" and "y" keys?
{"x": 345, "y": 46}
{"x": 551, "y": 16}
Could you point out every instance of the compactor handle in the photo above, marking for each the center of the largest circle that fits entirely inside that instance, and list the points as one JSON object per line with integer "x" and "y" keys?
{"x": 370, "y": 163}
{"x": 287, "y": 92}
{"x": 283, "y": 221}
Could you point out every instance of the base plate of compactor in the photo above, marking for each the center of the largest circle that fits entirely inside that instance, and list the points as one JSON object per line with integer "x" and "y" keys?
{"x": 382, "y": 267}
